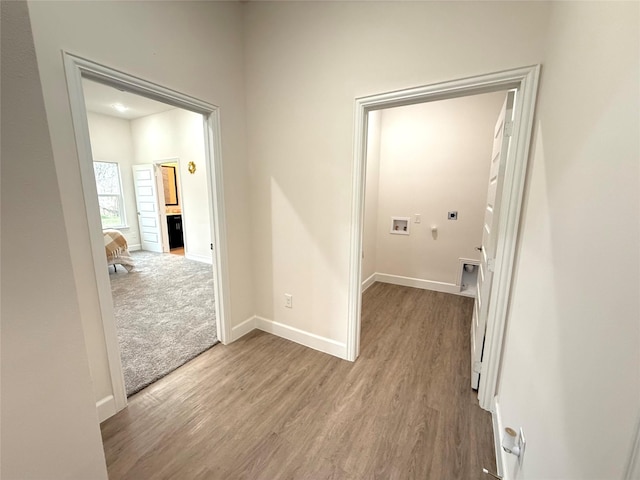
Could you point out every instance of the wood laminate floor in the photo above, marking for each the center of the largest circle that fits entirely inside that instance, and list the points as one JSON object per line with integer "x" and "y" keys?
{"x": 266, "y": 408}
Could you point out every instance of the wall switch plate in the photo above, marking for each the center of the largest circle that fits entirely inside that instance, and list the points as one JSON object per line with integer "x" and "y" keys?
{"x": 288, "y": 300}
{"x": 452, "y": 215}
{"x": 417, "y": 218}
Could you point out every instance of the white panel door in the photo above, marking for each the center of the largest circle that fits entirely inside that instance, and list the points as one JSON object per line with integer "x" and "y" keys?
{"x": 147, "y": 205}
{"x": 501, "y": 139}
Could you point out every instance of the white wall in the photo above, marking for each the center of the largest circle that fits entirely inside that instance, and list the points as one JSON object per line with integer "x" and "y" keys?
{"x": 435, "y": 158}
{"x": 571, "y": 374}
{"x": 306, "y": 62}
{"x": 111, "y": 142}
{"x": 179, "y": 134}
{"x": 372, "y": 181}
{"x": 49, "y": 422}
{"x": 193, "y": 47}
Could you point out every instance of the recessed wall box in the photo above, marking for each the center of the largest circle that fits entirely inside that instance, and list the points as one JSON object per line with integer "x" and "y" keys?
{"x": 400, "y": 225}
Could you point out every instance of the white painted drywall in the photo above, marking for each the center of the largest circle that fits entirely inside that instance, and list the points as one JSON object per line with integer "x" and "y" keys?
{"x": 306, "y": 62}
{"x": 49, "y": 421}
{"x": 193, "y": 47}
{"x": 179, "y": 134}
{"x": 111, "y": 142}
{"x": 370, "y": 223}
{"x": 571, "y": 367}
{"x": 435, "y": 158}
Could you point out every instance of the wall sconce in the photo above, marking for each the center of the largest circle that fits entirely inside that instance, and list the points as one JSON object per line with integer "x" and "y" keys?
{"x": 191, "y": 167}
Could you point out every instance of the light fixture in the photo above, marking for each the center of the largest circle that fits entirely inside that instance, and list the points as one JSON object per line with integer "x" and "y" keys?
{"x": 119, "y": 107}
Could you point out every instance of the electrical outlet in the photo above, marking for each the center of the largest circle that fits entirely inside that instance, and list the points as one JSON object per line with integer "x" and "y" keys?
{"x": 288, "y": 300}
{"x": 452, "y": 215}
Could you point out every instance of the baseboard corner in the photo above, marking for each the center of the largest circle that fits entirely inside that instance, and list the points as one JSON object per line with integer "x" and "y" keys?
{"x": 106, "y": 407}
{"x": 311, "y": 340}
{"x": 242, "y": 329}
{"x": 368, "y": 282}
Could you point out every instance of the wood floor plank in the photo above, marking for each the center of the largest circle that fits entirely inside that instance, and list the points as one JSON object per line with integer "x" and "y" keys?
{"x": 267, "y": 408}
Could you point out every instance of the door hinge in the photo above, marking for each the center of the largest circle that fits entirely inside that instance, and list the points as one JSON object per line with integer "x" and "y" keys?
{"x": 491, "y": 264}
{"x": 508, "y": 129}
{"x": 477, "y": 367}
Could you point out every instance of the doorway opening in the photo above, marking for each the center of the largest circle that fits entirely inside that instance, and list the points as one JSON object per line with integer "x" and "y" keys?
{"x": 430, "y": 164}
{"x": 166, "y": 132}
{"x": 524, "y": 82}
{"x": 172, "y": 216}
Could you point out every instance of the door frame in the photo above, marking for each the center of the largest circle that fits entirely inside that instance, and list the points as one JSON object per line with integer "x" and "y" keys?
{"x": 77, "y": 68}
{"x": 525, "y": 80}
{"x": 163, "y": 216}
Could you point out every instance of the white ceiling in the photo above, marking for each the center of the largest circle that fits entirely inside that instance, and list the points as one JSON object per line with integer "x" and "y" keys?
{"x": 99, "y": 98}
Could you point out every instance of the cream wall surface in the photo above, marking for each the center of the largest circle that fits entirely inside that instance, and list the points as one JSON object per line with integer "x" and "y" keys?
{"x": 434, "y": 158}
{"x": 48, "y": 415}
{"x": 306, "y": 62}
{"x": 372, "y": 182}
{"x": 571, "y": 367}
{"x": 179, "y": 134}
{"x": 570, "y": 373}
{"x": 111, "y": 142}
{"x": 195, "y": 48}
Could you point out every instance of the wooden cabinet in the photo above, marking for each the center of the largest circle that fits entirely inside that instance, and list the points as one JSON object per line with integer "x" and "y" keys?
{"x": 174, "y": 224}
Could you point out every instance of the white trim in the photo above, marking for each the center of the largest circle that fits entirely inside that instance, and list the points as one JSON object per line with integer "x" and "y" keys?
{"x": 368, "y": 282}
{"x": 508, "y": 226}
{"x": 76, "y": 68}
{"x": 215, "y": 184}
{"x": 106, "y": 408}
{"x": 241, "y": 330}
{"x": 73, "y": 72}
{"x": 199, "y": 258}
{"x": 301, "y": 337}
{"x": 526, "y": 81}
{"x": 418, "y": 283}
{"x": 134, "y": 247}
{"x": 501, "y": 460}
{"x": 461, "y": 263}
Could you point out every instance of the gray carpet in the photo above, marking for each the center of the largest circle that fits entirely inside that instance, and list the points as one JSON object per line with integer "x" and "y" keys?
{"x": 164, "y": 313}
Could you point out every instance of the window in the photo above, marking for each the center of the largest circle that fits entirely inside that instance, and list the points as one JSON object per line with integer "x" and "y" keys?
{"x": 110, "y": 198}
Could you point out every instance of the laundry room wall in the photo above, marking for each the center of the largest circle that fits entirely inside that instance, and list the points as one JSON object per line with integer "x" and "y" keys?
{"x": 434, "y": 158}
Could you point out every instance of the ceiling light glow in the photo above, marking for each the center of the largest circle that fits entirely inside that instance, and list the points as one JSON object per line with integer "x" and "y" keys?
{"x": 119, "y": 107}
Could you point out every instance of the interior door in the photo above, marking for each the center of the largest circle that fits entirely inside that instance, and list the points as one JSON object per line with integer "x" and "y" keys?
{"x": 147, "y": 205}
{"x": 501, "y": 140}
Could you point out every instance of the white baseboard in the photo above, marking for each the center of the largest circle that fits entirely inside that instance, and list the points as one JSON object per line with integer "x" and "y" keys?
{"x": 199, "y": 258}
{"x": 368, "y": 282}
{"x": 311, "y": 340}
{"x": 501, "y": 460}
{"x": 106, "y": 408}
{"x": 134, "y": 247}
{"x": 417, "y": 283}
{"x": 307, "y": 339}
{"x": 241, "y": 330}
